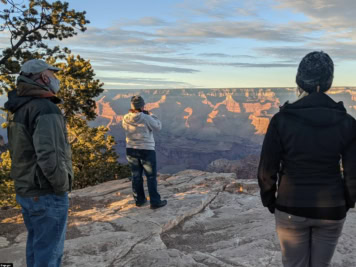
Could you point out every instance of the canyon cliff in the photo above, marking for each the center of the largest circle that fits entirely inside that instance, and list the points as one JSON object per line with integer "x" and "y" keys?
{"x": 201, "y": 126}
{"x": 204, "y": 125}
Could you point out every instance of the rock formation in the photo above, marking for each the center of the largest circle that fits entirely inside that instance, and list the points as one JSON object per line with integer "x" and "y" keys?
{"x": 245, "y": 168}
{"x": 203, "y": 125}
{"x": 211, "y": 220}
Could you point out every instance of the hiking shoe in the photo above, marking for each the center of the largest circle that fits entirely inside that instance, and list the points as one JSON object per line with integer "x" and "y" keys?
{"x": 159, "y": 205}
{"x": 140, "y": 204}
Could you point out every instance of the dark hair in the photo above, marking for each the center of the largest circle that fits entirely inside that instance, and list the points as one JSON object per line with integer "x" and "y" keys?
{"x": 135, "y": 110}
{"x": 137, "y": 102}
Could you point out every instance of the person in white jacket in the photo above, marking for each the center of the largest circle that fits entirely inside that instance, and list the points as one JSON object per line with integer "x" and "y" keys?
{"x": 139, "y": 125}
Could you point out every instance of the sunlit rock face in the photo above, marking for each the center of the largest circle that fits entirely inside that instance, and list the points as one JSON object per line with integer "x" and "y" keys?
{"x": 211, "y": 219}
{"x": 203, "y": 125}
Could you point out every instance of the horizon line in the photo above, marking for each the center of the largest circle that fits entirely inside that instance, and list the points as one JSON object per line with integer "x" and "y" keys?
{"x": 216, "y": 88}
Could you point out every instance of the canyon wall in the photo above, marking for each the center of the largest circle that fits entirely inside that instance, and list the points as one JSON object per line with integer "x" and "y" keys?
{"x": 203, "y": 125}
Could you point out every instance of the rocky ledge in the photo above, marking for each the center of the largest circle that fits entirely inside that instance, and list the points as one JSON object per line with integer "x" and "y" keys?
{"x": 212, "y": 219}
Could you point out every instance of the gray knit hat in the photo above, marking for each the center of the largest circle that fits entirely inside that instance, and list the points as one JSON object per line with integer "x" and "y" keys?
{"x": 35, "y": 66}
{"x": 137, "y": 102}
{"x": 315, "y": 69}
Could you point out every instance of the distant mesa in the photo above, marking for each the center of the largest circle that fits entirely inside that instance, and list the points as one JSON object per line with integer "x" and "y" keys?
{"x": 212, "y": 116}
{"x": 203, "y": 125}
{"x": 155, "y": 105}
{"x": 245, "y": 168}
{"x": 104, "y": 110}
{"x": 186, "y": 117}
{"x": 260, "y": 123}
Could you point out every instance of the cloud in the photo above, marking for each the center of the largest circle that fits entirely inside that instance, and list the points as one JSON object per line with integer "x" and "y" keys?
{"x": 222, "y": 55}
{"x": 261, "y": 65}
{"x": 117, "y": 37}
{"x": 139, "y": 67}
{"x": 204, "y": 33}
{"x": 4, "y": 39}
{"x": 169, "y": 60}
{"x": 322, "y": 8}
{"x": 132, "y": 62}
{"x": 209, "y": 8}
{"x": 112, "y": 37}
{"x": 286, "y": 52}
{"x": 330, "y": 14}
{"x": 142, "y": 83}
{"x": 339, "y": 51}
{"x": 140, "y": 63}
{"x": 255, "y": 30}
{"x": 146, "y": 22}
{"x": 179, "y": 34}
{"x": 219, "y": 9}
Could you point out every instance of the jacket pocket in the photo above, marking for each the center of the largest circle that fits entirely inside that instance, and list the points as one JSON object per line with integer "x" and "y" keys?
{"x": 38, "y": 179}
{"x": 37, "y": 206}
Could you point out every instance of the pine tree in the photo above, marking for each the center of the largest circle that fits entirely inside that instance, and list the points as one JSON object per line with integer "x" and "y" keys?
{"x": 30, "y": 25}
{"x": 94, "y": 156}
{"x": 7, "y": 190}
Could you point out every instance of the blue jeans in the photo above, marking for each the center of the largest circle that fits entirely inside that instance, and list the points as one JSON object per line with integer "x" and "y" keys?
{"x": 46, "y": 221}
{"x": 141, "y": 160}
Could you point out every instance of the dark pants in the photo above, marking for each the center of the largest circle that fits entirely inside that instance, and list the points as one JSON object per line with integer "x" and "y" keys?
{"x": 307, "y": 242}
{"x": 46, "y": 221}
{"x": 140, "y": 161}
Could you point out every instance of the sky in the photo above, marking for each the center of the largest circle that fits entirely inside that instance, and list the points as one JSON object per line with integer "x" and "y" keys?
{"x": 155, "y": 44}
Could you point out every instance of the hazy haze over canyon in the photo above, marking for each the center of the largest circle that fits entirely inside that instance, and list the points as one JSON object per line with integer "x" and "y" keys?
{"x": 207, "y": 129}
{"x": 201, "y": 126}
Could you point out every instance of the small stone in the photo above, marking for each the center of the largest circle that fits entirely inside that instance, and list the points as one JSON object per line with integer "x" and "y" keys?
{"x": 21, "y": 237}
{"x": 3, "y": 242}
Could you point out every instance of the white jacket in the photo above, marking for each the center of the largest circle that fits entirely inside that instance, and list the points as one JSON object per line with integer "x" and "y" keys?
{"x": 139, "y": 129}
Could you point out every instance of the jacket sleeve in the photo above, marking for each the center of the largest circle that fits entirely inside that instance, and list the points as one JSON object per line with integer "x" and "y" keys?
{"x": 48, "y": 140}
{"x": 153, "y": 123}
{"x": 349, "y": 167}
{"x": 124, "y": 125}
{"x": 269, "y": 165}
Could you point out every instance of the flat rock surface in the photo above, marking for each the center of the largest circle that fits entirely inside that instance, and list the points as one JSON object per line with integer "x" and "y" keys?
{"x": 212, "y": 219}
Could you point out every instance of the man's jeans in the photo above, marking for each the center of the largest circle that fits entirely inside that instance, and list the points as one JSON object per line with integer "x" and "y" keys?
{"x": 307, "y": 242}
{"x": 140, "y": 161}
{"x": 46, "y": 220}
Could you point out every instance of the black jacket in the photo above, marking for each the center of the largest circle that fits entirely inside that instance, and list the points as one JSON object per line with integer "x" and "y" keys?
{"x": 38, "y": 144}
{"x": 301, "y": 155}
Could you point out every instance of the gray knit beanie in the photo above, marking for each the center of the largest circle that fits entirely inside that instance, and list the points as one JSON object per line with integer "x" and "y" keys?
{"x": 315, "y": 69}
{"x": 137, "y": 102}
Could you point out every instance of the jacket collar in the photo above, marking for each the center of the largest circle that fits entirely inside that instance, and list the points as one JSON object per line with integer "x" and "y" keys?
{"x": 315, "y": 100}
{"x": 316, "y": 109}
{"x": 26, "y": 91}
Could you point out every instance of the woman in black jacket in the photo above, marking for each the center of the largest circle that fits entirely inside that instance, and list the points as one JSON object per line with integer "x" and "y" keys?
{"x": 307, "y": 171}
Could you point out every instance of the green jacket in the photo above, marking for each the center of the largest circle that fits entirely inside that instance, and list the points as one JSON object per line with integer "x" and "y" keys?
{"x": 38, "y": 143}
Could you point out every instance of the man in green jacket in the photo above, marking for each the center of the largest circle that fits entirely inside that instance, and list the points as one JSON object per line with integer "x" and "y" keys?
{"x": 41, "y": 161}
